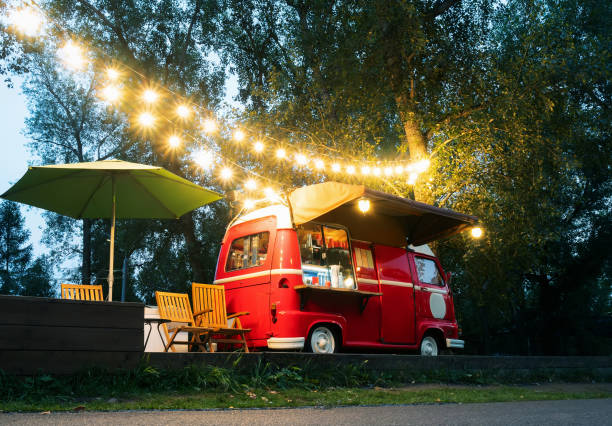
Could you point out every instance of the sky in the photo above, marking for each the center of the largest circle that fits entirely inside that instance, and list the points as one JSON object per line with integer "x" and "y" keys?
{"x": 15, "y": 156}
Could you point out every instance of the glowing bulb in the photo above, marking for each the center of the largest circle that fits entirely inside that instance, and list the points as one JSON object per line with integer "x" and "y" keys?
{"x": 399, "y": 170}
{"x": 183, "y": 111}
{"x": 336, "y": 168}
{"x": 476, "y": 232}
{"x": 421, "y": 166}
{"x": 226, "y": 173}
{"x": 350, "y": 170}
{"x": 281, "y": 153}
{"x": 376, "y": 171}
{"x": 364, "y": 205}
{"x": 249, "y": 204}
{"x": 270, "y": 193}
{"x": 204, "y": 159}
{"x": 72, "y": 55}
{"x": 27, "y": 21}
{"x": 174, "y": 141}
{"x": 388, "y": 171}
{"x": 209, "y": 125}
{"x": 146, "y": 119}
{"x": 250, "y": 184}
{"x": 150, "y": 96}
{"x": 258, "y": 146}
{"x": 112, "y": 74}
{"x": 409, "y": 168}
{"x": 239, "y": 135}
{"x": 301, "y": 159}
{"x": 412, "y": 178}
{"x": 365, "y": 170}
{"x": 319, "y": 164}
{"x": 111, "y": 94}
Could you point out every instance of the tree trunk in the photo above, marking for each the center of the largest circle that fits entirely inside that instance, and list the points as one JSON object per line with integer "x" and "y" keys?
{"x": 194, "y": 248}
{"x": 86, "y": 265}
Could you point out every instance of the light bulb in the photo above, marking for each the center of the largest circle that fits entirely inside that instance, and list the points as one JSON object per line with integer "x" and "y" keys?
{"x": 111, "y": 94}
{"x": 150, "y": 96}
{"x": 209, "y": 125}
{"x": 250, "y": 184}
{"x": 72, "y": 55}
{"x": 319, "y": 164}
{"x": 399, "y": 170}
{"x": 336, "y": 168}
{"x": 476, "y": 232}
{"x": 239, "y": 135}
{"x": 112, "y": 73}
{"x": 388, "y": 171}
{"x": 226, "y": 173}
{"x": 249, "y": 204}
{"x": 281, "y": 153}
{"x": 258, "y": 146}
{"x": 183, "y": 111}
{"x": 146, "y": 119}
{"x": 301, "y": 159}
{"x": 412, "y": 178}
{"x": 376, "y": 171}
{"x": 27, "y": 21}
{"x": 421, "y": 166}
{"x": 174, "y": 141}
{"x": 270, "y": 193}
{"x": 204, "y": 159}
{"x": 365, "y": 170}
{"x": 364, "y": 205}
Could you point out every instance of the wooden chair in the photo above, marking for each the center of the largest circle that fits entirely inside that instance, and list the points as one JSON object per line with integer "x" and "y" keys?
{"x": 210, "y": 299}
{"x": 82, "y": 292}
{"x": 175, "y": 307}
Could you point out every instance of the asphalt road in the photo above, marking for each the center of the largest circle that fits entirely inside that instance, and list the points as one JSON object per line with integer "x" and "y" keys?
{"x": 573, "y": 412}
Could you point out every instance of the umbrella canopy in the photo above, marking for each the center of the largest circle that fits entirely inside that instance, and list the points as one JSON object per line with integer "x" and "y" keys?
{"x": 107, "y": 190}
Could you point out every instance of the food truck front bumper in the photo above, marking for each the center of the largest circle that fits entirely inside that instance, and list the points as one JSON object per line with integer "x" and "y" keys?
{"x": 455, "y": 344}
{"x": 286, "y": 343}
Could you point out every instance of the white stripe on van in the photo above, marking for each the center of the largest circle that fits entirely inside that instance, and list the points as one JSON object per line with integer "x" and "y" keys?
{"x": 397, "y": 283}
{"x": 434, "y": 290}
{"x": 259, "y": 274}
{"x": 367, "y": 281}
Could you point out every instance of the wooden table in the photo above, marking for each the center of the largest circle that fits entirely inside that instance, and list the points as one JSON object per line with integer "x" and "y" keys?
{"x": 308, "y": 291}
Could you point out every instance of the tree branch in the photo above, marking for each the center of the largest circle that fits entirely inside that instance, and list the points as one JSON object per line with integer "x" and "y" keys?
{"x": 441, "y": 7}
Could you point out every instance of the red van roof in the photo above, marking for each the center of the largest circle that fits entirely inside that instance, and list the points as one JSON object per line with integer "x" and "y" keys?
{"x": 391, "y": 220}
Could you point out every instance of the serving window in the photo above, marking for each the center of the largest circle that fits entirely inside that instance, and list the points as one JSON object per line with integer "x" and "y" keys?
{"x": 428, "y": 271}
{"x": 326, "y": 259}
{"x": 248, "y": 252}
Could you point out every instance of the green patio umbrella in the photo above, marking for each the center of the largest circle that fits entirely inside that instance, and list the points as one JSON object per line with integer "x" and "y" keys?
{"x": 107, "y": 190}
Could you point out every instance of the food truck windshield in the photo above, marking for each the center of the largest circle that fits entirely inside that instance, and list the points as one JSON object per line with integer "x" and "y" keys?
{"x": 325, "y": 254}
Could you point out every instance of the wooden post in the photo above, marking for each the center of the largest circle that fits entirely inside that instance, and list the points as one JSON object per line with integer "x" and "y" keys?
{"x": 112, "y": 245}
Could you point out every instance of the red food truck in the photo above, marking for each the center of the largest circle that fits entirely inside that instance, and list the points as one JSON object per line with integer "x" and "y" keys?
{"x": 336, "y": 266}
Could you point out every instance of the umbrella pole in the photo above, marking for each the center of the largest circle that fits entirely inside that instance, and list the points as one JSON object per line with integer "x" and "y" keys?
{"x": 112, "y": 246}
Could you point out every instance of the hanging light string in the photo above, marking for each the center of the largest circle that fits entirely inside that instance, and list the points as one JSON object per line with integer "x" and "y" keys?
{"x": 29, "y": 21}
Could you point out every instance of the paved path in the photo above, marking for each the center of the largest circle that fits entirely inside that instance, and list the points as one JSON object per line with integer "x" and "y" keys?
{"x": 574, "y": 412}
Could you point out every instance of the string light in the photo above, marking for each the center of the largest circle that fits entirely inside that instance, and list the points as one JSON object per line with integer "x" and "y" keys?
{"x": 71, "y": 55}
{"x": 376, "y": 171}
{"x": 365, "y": 170}
{"x": 174, "y": 141}
{"x": 250, "y": 184}
{"x": 258, "y": 147}
{"x": 209, "y": 125}
{"x": 421, "y": 166}
{"x": 204, "y": 159}
{"x": 399, "y": 170}
{"x": 239, "y": 135}
{"x": 112, "y": 74}
{"x": 226, "y": 173}
{"x": 336, "y": 168}
{"x": 183, "y": 111}
{"x": 319, "y": 164}
{"x": 350, "y": 170}
{"x": 249, "y": 204}
{"x": 146, "y": 119}
{"x": 412, "y": 178}
{"x": 111, "y": 94}
{"x": 27, "y": 21}
{"x": 150, "y": 96}
{"x": 269, "y": 193}
{"x": 301, "y": 159}
{"x": 388, "y": 171}
{"x": 281, "y": 153}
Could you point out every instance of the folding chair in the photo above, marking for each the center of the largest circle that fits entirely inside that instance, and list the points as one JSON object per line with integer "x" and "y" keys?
{"x": 175, "y": 307}
{"x": 210, "y": 300}
{"x": 82, "y": 292}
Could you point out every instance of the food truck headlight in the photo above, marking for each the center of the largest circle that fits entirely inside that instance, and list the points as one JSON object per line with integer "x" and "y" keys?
{"x": 364, "y": 205}
{"x": 476, "y": 232}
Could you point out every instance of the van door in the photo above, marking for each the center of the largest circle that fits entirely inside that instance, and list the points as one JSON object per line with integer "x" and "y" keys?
{"x": 433, "y": 299}
{"x": 398, "y": 315}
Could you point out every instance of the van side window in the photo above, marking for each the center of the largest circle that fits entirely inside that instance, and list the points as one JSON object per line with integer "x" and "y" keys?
{"x": 428, "y": 271}
{"x": 247, "y": 252}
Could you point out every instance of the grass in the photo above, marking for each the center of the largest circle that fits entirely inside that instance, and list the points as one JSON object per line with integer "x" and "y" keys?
{"x": 266, "y": 385}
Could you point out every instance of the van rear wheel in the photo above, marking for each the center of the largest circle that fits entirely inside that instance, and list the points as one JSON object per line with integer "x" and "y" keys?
{"x": 429, "y": 346}
{"x": 322, "y": 341}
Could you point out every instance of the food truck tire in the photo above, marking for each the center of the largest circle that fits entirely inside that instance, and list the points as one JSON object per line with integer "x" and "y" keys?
{"x": 323, "y": 339}
{"x": 429, "y": 346}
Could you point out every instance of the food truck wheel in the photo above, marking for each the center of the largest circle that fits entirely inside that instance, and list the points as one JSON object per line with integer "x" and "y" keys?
{"x": 322, "y": 341}
{"x": 429, "y": 346}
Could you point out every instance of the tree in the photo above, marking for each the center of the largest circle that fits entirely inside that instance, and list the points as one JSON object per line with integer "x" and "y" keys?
{"x": 15, "y": 252}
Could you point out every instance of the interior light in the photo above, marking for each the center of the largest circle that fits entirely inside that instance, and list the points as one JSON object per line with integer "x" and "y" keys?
{"x": 364, "y": 205}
